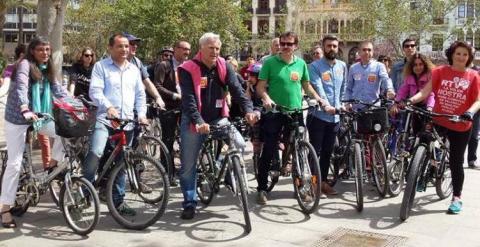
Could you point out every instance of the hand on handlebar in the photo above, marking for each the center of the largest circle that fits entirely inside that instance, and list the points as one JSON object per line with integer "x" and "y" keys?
{"x": 468, "y": 116}
{"x": 251, "y": 118}
{"x": 143, "y": 121}
{"x": 329, "y": 109}
{"x": 112, "y": 112}
{"x": 268, "y": 103}
{"x": 202, "y": 128}
{"x": 30, "y": 116}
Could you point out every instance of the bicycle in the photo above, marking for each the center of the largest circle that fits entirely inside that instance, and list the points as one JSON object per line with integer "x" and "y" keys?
{"x": 146, "y": 182}
{"x": 77, "y": 198}
{"x": 155, "y": 127}
{"x": 361, "y": 137}
{"x": 430, "y": 161}
{"x": 231, "y": 167}
{"x": 305, "y": 171}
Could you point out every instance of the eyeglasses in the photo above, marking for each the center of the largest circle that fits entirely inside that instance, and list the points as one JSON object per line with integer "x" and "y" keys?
{"x": 366, "y": 49}
{"x": 287, "y": 44}
{"x": 410, "y": 46}
{"x": 88, "y": 55}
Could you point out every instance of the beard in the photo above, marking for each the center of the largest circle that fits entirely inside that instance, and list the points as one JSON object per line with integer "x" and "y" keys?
{"x": 331, "y": 55}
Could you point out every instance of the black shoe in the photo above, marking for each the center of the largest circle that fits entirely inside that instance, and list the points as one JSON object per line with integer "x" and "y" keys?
{"x": 472, "y": 165}
{"x": 188, "y": 213}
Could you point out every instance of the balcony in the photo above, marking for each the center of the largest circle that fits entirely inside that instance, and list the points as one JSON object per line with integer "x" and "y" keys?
{"x": 280, "y": 10}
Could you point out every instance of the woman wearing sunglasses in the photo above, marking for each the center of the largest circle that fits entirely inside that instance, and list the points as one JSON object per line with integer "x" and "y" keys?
{"x": 81, "y": 73}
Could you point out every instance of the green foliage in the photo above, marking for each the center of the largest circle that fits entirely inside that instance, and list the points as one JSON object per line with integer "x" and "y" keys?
{"x": 158, "y": 22}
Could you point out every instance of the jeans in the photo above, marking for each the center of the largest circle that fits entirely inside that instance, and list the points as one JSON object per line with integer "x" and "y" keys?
{"x": 98, "y": 141}
{"x": 473, "y": 143}
{"x": 190, "y": 145}
{"x": 322, "y": 137}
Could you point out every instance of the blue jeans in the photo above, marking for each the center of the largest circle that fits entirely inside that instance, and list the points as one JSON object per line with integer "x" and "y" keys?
{"x": 190, "y": 145}
{"x": 98, "y": 141}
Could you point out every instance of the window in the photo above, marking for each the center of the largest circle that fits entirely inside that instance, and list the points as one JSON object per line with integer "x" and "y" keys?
{"x": 461, "y": 10}
{"x": 437, "y": 42}
{"x": 11, "y": 37}
{"x": 333, "y": 26}
{"x": 28, "y": 37}
{"x": 310, "y": 26}
{"x": 262, "y": 27}
{"x": 263, "y": 4}
{"x": 470, "y": 10}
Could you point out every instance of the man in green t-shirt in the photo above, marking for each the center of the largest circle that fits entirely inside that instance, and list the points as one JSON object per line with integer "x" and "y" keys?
{"x": 285, "y": 75}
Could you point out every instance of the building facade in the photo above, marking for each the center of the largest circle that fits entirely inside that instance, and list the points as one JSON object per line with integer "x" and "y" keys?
{"x": 18, "y": 18}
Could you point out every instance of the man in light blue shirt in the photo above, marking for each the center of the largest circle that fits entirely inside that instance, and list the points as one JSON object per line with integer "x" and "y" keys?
{"x": 368, "y": 78}
{"x": 117, "y": 89}
{"x": 328, "y": 77}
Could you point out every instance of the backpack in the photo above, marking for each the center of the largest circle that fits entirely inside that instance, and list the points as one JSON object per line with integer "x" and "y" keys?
{"x": 73, "y": 118}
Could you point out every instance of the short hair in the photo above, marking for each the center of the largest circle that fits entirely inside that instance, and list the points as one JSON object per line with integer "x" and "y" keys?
{"x": 21, "y": 48}
{"x": 408, "y": 40}
{"x": 207, "y": 37}
{"x": 177, "y": 43}
{"x": 233, "y": 62}
{"x": 451, "y": 50}
{"x": 365, "y": 42}
{"x": 290, "y": 34}
{"x": 329, "y": 37}
{"x": 111, "y": 40}
{"x": 275, "y": 40}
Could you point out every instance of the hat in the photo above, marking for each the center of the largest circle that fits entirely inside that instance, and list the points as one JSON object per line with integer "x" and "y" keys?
{"x": 131, "y": 37}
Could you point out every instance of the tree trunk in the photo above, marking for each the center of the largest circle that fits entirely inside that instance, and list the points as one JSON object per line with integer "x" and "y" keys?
{"x": 20, "y": 23}
{"x": 50, "y": 21}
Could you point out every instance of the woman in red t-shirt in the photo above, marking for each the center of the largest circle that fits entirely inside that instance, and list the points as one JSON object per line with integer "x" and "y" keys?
{"x": 456, "y": 89}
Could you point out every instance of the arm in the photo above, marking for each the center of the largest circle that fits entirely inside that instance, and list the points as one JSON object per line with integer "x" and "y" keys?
{"x": 403, "y": 90}
{"x": 22, "y": 83}
{"x": 349, "y": 86}
{"x": 236, "y": 90}
{"x": 316, "y": 84}
{"x": 189, "y": 100}
{"x": 97, "y": 85}
{"x": 161, "y": 73}
{"x": 422, "y": 94}
{"x": 385, "y": 82}
{"x": 140, "y": 99}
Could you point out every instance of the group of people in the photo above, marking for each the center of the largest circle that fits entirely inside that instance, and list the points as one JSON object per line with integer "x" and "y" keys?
{"x": 120, "y": 85}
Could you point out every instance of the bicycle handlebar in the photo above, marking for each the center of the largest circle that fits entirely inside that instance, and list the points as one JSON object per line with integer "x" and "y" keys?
{"x": 452, "y": 117}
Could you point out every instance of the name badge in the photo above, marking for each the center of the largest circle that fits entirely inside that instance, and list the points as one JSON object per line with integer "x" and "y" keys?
{"x": 294, "y": 76}
{"x": 372, "y": 78}
{"x": 219, "y": 103}
{"x": 326, "y": 77}
{"x": 203, "y": 82}
{"x": 357, "y": 76}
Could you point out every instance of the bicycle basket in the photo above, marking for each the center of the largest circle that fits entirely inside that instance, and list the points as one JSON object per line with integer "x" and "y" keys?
{"x": 373, "y": 121}
{"x": 72, "y": 117}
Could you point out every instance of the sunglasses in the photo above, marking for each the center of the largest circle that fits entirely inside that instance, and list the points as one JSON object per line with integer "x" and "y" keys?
{"x": 409, "y": 46}
{"x": 366, "y": 49}
{"x": 288, "y": 44}
{"x": 88, "y": 55}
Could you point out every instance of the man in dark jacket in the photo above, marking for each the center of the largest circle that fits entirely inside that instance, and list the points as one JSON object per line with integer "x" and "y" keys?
{"x": 204, "y": 81}
{"x": 166, "y": 81}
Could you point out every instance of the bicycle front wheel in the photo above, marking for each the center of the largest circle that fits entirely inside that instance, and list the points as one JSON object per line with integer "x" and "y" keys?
{"x": 206, "y": 177}
{"x": 419, "y": 159}
{"x": 306, "y": 178}
{"x": 80, "y": 205}
{"x": 241, "y": 187}
{"x": 137, "y": 192}
{"x": 359, "y": 161}
{"x": 443, "y": 176}
{"x": 379, "y": 165}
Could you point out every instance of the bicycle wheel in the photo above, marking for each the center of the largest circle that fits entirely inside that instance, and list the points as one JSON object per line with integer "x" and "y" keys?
{"x": 419, "y": 159}
{"x": 306, "y": 178}
{"x": 154, "y": 147}
{"x": 146, "y": 192}
{"x": 54, "y": 187}
{"x": 379, "y": 165}
{"x": 80, "y": 205}
{"x": 443, "y": 176}
{"x": 206, "y": 177}
{"x": 156, "y": 128}
{"x": 241, "y": 187}
{"x": 359, "y": 161}
{"x": 396, "y": 176}
{"x": 335, "y": 160}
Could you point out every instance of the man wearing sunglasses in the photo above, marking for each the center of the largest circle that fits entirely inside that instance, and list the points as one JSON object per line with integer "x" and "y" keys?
{"x": 285, "y": 75}
{"x": 149, "y": 87}
{"x": 368, "y": 78}
{"x": 409, "y": 49}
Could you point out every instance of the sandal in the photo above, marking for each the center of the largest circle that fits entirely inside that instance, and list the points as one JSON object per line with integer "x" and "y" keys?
{"x": 10, "y": 224}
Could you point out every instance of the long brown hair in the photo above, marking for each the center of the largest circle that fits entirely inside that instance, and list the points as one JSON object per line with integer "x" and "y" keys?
{"x": 94, "y": 57}
{"x": 428, "y": 65}
{"x": 35, "y": 72}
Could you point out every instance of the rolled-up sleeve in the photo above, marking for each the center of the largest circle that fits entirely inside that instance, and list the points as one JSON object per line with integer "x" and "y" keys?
{"x": 316, "y": 81}
{"x": 97, "y": 85}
